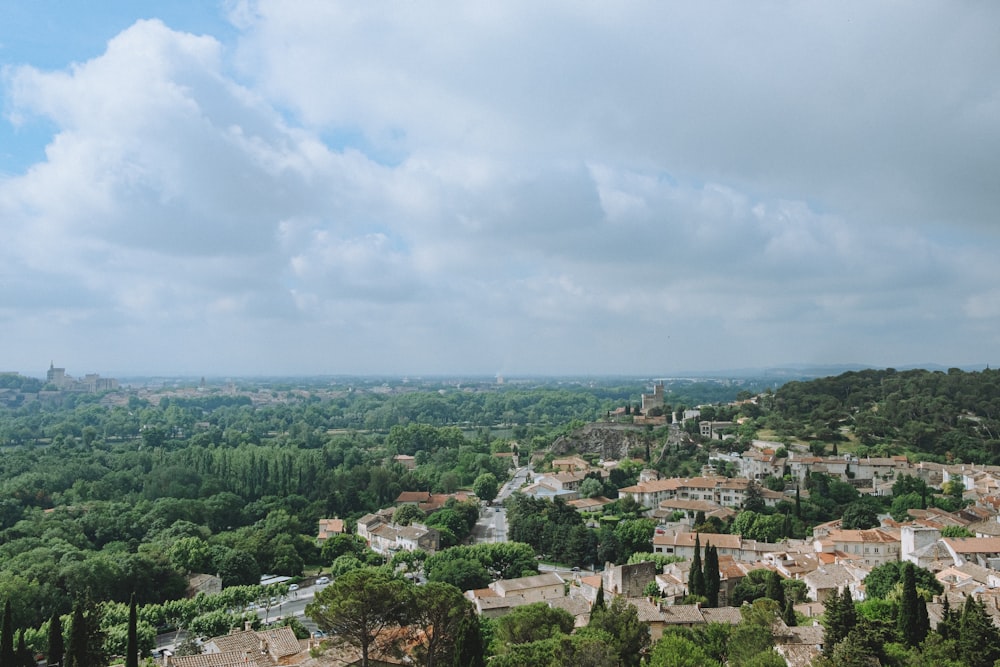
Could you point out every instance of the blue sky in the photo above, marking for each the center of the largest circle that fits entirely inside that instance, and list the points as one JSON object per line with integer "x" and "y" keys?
{"x": 264, "y": 187}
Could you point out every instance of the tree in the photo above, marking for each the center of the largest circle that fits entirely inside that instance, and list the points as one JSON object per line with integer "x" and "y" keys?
{"x": 773, "y": 588}
{"x": 712, "y": 577}
{"x": 861, "y": 514}
{"x": 56, "y": 646}
{"x": 978, "y": 638}
{"x": 361, "y": 607}
{"x": 407, "y": 514}
{"x": 86, "y": 640}
{"x": 839, "y": 619}
{"x": 621, "y": 621}
{"x": 440, "y": 610}
{"x": 486, "y": 487}
{"x": 531, "y": 623}
{"x": 882, "y": 580}
{"x": 469, "y": 650}
{"x": 675, "y": 650}
{"x": 132, "y": 644}
{"x": 591, "y": 488}
{"x": 696, "y": 577}
{"x": 912, "y": 622}
{"x": 7, "y": 654}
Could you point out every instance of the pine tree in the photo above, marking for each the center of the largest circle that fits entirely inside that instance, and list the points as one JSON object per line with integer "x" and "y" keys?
{"x": 696, "y": 577}
{"x": 712, "y": 578}
{"x": 56, "y": 646}
{"x": 798, "y": 503}
{"x": 132, "y": 643}
{"x": 7, "y": 656}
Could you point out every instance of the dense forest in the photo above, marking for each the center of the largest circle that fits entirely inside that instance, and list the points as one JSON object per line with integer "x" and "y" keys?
{"x": 943, "y": 416}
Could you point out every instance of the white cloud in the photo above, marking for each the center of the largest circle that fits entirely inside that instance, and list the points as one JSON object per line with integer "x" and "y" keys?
{"x": 542, "y": 188}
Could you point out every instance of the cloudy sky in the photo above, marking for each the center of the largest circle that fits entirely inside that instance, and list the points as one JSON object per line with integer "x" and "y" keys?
{"x": 314, "y": 187}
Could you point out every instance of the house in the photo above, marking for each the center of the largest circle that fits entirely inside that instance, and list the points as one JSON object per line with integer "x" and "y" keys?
{"x": 570, "y": 464}
{"x": 871, "y": 548}
{"x": 726, "y": 491}
{"x": 984, "y": 551}
{"x": 405, "y": 460}
{"x": 832, "y": 578}
{"x": 385, "y": 537}
{"x": 506, "y": 594}
{"x": 330, "y": 527}
{"x": 265, "y": 648}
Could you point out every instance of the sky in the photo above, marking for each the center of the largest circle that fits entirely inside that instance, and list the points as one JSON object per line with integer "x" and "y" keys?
{"x": 518, "y": 188}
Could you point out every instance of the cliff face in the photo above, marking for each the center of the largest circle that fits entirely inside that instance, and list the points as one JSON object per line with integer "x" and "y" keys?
{"x": 609, "y": 441}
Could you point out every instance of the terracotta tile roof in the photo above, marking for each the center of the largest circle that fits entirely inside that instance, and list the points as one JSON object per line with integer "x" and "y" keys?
{"x": 974, "y": 545}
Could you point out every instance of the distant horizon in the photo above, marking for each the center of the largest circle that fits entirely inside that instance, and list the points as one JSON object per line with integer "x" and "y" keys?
{"x": 791, "y": 369}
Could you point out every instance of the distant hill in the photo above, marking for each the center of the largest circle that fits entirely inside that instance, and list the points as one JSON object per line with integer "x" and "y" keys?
{"x": 948, "y": 415}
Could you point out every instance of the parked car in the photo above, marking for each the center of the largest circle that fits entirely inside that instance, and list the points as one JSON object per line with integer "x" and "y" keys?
{"x": 293, "y": 587}
{"x": 323, "y": 580}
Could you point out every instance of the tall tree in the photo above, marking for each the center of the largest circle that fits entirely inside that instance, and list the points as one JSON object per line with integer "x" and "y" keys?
{"x": 696, "y": 577}
{"x": 774, "y": 589}
{"x": 25, "y": 658}
{"x": 713, "y": 580}
{"x": 132, "y": 642}
{"x": 439, "y": 613}
{"x": 56, "y": 646}
{"x": 7, "y": 636}
{"x": 469, "y": 649}
{"x": 840, "y": 618}
{"x": 86, "y": 640}
{"x": 630, "y": 635}
{"x": 911, "y": 623}
{"x": 361, "y": 608}
{"x": 978, "y": 638}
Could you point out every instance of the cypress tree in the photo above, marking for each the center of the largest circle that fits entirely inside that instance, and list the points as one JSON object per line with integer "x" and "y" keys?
{"x": 798, "y": 503}
{"x": 7, "y": 656}
{"x": 840, "y": 618}
{"x": 25, "y": 658}
{"x": 56, "y": 646}
{"x": 788, "y": 615}
{"x": 774, "y": 590}
{"x": 910, "y": 623}
{"x": 713, "y": 580}
{"x": 696, "y": 577}
{"x": 77, "y": 654}
{"x": 599, "y": 599}
{"x": 978, "y": 638}
{"x": 947, "y": 627}
{"x": 132, "y": 643}
{"x": 469, "y": 649}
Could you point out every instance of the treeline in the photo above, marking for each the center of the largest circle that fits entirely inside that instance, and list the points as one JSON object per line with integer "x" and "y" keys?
{"x": 953, "y": 415}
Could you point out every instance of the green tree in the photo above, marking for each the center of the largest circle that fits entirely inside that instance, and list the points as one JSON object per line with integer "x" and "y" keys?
{"x": 883, "y": 579}
{"x": 486, "y": 487}
{"x": 696, "y": 577}
{"x": 439, "y": 611}
{"x": 773, "y": 588}
{"x": 861, "y": 514}
{"x": 531, "y": 623}
{"x": 712, "y": 577}
{"x": 978, "y": 637}
{"x": 361, "y": 607}
{"x": 86, "y": 639}
{"x": 675, "y": 650}
{"x": 132, "y": 644}
{"x": 56, "y": 647}
{"x": 839, "y": 619}
{"x": 7, "y": 636}
{"x": 469, "y": 650}
{"x": 621, "y": 621}
{"x": 912, "y": 622}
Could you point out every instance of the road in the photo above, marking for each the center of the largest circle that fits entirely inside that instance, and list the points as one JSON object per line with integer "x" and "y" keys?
{"x": 293, "y": 604}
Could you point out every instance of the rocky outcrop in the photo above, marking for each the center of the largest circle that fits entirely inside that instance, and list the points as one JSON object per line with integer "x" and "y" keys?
{"x": 610, "y": 441}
